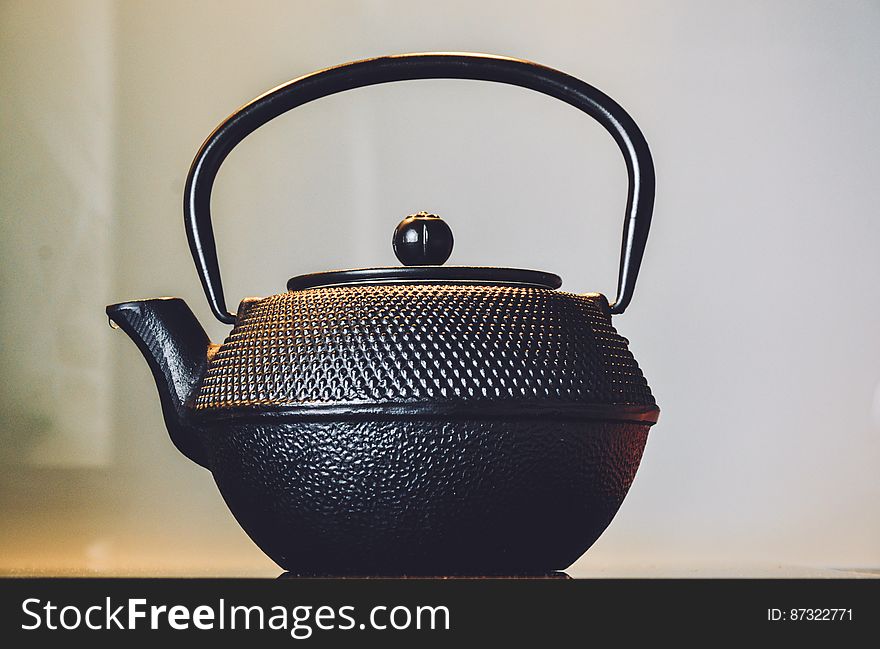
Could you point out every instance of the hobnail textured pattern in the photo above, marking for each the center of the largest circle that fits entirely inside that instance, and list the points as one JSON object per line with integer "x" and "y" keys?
{"x": 412, "y": 343}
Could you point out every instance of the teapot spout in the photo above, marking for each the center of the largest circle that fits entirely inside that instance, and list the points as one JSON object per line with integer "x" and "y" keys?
{"x": 176, "y": 348}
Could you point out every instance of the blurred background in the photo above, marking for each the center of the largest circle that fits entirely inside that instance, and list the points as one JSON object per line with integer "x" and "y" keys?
{"x": 755, "y": 319}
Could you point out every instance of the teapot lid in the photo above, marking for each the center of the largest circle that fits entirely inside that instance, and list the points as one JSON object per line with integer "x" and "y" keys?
{"x": 422, "y": 243}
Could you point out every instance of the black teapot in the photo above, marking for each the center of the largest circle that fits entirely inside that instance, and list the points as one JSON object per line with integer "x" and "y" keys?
{"x": 422, "y": 419}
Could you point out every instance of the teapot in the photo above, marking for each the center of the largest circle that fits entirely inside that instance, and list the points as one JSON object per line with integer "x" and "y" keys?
{"x": 420, "y": 419}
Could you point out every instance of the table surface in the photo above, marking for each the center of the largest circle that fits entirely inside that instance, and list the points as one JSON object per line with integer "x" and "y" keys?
{"x": 618, "y": 571}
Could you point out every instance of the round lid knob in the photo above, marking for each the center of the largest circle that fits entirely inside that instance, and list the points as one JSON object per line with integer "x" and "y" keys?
{"x": 422, "y": 240}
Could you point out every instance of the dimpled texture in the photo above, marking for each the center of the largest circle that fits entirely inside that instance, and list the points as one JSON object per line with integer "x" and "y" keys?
{"x": 422, "y": 343}
{"x": 425, "y": 497}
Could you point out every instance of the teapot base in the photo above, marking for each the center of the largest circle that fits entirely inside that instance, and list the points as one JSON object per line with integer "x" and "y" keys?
{"x": 425, "y": 497}
{"x": 549, "y": 575}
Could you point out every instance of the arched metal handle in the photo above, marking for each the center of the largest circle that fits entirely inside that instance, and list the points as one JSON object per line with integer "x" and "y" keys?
{"x": 481, "y": 67}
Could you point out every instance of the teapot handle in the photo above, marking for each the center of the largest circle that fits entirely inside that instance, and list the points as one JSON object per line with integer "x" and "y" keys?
{"x": 482, "y": 67}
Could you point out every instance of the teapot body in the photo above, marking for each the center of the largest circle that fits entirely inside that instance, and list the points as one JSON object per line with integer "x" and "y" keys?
{"x": 423, "y": 428}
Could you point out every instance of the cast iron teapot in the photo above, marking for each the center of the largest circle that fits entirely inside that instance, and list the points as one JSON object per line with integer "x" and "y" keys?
{"x": 422, "y": 419}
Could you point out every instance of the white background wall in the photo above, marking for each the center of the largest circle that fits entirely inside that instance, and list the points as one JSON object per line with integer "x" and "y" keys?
{"x": 755, "y": 319}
